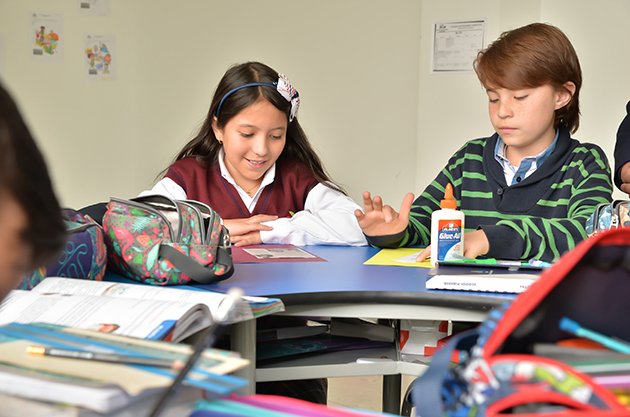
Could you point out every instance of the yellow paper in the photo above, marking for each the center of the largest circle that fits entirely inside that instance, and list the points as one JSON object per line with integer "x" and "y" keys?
{"x": 398, "y": 257}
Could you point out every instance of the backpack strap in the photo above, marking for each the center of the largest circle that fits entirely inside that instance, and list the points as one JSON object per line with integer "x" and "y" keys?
{"x": 427, "y": 390}
{"x": 197, "y": 272}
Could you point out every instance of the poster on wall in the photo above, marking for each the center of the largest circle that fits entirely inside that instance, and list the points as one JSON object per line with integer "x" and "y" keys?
{"x": 456, "y": 44}
{"x": 99, "y": 56}
{"x": 93, "y": 7}
{"x": 46, "y": 36}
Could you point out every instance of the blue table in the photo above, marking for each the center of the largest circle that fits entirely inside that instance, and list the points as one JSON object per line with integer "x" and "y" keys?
{"x": 344, "y": 278}
{"x": 344, "y": 287}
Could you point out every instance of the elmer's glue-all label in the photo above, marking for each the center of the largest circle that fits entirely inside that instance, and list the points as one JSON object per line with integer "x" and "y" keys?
{"x": 447, "y": 229}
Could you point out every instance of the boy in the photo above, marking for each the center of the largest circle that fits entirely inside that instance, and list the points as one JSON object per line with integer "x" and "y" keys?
{"x": 528, "y": 189}
{"x": 31, "y": 227}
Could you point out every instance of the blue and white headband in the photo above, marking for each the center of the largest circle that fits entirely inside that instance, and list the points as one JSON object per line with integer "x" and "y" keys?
{"x": 282, "y": 86}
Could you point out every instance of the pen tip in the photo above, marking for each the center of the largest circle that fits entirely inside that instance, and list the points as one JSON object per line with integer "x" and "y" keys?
{"x": 35, "y": 350}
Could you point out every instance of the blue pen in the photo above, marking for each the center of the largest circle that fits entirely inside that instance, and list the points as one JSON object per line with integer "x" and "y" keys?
{"x": 573, "y": 327}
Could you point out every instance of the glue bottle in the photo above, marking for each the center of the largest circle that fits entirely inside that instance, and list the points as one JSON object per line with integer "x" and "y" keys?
{"x": 447, "y": 229}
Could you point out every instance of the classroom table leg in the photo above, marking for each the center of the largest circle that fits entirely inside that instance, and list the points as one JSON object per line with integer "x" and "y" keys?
{"x": 391, "y": 393}
{"x": 243, "y": 341}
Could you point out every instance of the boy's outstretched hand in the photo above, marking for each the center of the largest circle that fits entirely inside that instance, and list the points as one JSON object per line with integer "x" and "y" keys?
{"x": 377, "y": 219}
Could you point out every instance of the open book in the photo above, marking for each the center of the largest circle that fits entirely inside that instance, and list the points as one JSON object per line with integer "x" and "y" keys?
{"x": 127, "y": 309}
{"x": 97, "y": 385}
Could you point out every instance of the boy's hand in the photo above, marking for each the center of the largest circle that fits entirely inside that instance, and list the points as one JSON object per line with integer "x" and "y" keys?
{"x": 475, "y": 244}
{"x": 380, "y": 220}
{"x": 424, "y": 254}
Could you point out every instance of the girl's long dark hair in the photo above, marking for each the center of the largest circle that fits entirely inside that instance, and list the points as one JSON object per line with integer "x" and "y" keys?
{"x": 205, "y": 147}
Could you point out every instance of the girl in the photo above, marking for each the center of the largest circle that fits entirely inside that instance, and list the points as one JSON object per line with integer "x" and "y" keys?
{"x": 252, "y": 163}
{"x": 528, "y": 189}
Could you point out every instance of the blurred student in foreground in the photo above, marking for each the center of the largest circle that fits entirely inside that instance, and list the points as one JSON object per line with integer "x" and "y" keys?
{"x": 31, "y": 227}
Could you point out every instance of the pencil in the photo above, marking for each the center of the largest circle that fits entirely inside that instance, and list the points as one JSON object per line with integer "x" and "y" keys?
{"x": 104, "y": 357}
{"x": 575, "y": 328}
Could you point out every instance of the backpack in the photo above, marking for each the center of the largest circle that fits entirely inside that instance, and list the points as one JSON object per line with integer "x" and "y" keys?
{"x": 161, "y": 241}
{"x": 84, "y": 254}
{"x": 498, "y": 373}
{"x": 609, "y": 216}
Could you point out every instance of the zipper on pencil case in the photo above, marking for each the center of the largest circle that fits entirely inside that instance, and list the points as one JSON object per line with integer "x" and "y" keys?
{"x": 154, "y": 210}
{"x": 82, "y": 227}
{"x": 204, "y": 210}
{"x": 194, "y": 207}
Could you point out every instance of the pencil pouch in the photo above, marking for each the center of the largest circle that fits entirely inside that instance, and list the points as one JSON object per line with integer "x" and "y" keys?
{"x": 609, "y": 216}
{"x": 84, "y": 254}
{"x": 499, "y": 370}
{"x": 161, "y": 241}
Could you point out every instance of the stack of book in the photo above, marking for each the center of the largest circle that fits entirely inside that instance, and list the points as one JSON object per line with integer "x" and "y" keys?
{"x": 101, "y": 372}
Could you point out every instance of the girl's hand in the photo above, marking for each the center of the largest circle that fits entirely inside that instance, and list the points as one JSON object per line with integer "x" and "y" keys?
{"x": 252, "y": 238}
{"x": 379, "y": 220}
{"x": 242, "y": 227}
{"x": 475, "y": 244}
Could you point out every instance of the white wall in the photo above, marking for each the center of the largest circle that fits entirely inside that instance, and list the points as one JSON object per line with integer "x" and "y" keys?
{"x": 378, "y": 118}
{"x": 355, "y": 64}
{"x": 599, "y": 33}
{"x": 452, "y": 108}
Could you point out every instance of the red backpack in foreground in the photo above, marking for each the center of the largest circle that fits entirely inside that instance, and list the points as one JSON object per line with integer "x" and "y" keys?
{"x": 498, "y": 373}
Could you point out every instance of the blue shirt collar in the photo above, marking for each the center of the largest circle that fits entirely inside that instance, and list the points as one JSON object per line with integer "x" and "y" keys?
{"x": 499, "y": 151}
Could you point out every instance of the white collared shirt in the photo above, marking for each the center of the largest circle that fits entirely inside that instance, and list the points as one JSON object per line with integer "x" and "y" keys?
{"x": 529, "y": 164}
{"x": 327, "y": 219}
{"x": 249, "y": 201}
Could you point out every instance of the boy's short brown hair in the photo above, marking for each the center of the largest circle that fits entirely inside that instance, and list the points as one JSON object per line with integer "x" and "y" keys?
{"x": 532, "y": 56}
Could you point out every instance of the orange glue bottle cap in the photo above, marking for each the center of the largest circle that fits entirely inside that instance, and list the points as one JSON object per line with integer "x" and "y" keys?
{"x": 448, "y": 202}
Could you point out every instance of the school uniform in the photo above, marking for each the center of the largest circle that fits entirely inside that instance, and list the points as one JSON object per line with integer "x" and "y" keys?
{"x": 622, "y": 146}
{"x": 310, "y": 213}
{"x": 540, "y": 213}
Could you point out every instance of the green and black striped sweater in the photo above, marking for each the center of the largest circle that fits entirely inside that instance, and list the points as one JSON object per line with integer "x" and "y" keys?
{"x": 541, "y": 217}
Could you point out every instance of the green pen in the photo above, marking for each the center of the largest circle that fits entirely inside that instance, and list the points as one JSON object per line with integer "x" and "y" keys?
{"x": 475, "y": 261}
{"x": 488, "y": 261}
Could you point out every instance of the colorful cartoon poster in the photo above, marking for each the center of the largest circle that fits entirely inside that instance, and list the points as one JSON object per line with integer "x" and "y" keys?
{"x": 46, "y": 34}
{"x": 93, "y": 7}
{"x": 100, "y": 57}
